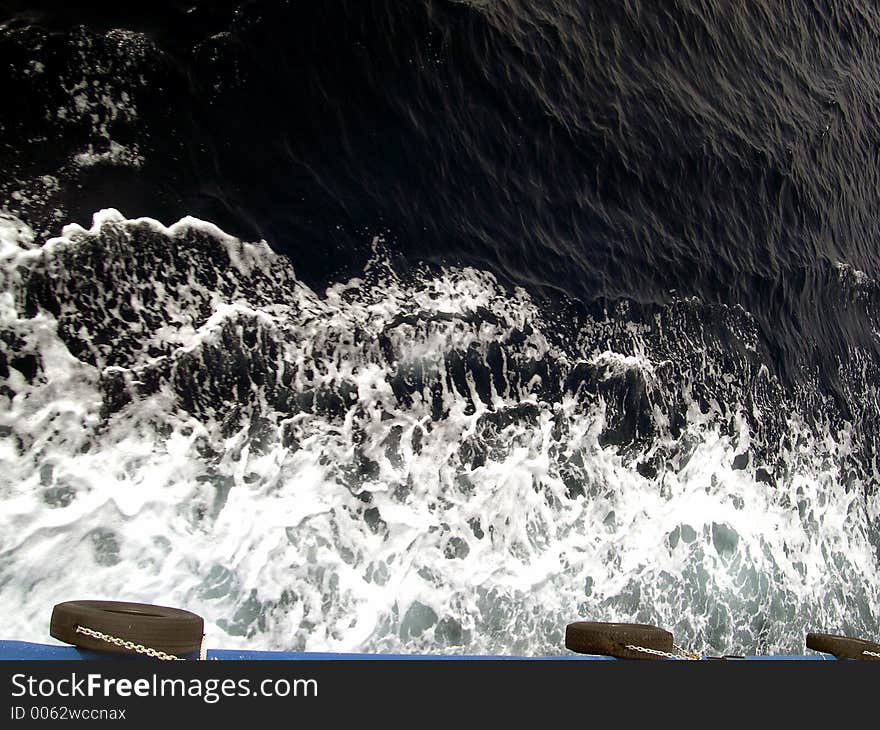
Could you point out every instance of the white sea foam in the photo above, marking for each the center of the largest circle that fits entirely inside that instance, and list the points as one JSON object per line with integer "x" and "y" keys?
{"x": 449, "y": 520}
{"x": 114, "y": 154}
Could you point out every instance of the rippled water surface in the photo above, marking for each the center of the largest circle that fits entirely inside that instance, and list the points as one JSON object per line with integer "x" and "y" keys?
{"x": 433, "y": 326}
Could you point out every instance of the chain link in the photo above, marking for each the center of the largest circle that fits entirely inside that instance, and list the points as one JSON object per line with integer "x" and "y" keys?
{"x": 682, "y": 655}
{"x": 130, "y": 645}
{"x": 689, "y": 655}
{"x": 871, "y": 654}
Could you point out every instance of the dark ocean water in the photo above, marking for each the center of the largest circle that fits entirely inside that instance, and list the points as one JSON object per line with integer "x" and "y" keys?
{"x": 636, "y": 238}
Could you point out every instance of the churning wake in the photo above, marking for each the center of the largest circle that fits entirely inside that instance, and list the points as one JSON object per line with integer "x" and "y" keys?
{"x": 410, "y": 461}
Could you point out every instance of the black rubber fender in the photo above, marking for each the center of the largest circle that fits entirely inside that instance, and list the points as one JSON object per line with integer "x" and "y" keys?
{"x": 610, "y": 639}
{"x": 170, "y": 630}
{"x": 843, "y": 647}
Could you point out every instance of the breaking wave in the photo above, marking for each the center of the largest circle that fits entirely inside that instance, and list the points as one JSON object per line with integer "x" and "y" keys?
{"x": 419, "y": 460}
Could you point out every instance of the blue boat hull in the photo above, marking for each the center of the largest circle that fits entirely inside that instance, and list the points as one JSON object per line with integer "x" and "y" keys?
{"x": 22, "y": 650}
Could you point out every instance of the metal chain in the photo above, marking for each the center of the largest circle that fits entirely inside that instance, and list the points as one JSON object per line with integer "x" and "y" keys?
{"x": 130, "y": 645}
{"x": 683, "y": 655}
{"x": 871, "y": 653}
{"x": 687, "y": 654}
